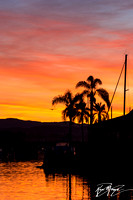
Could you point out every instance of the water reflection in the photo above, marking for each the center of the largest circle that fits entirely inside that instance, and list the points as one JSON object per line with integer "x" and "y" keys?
{"x": 74, "y": 186}
{"x": 23, "y": 181}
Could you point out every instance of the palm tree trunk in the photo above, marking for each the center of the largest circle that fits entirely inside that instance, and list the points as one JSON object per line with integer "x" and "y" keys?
{"x": 82, "y": 144}
{"x": 99, "y": 117}
{"x": 91, "y": 107}
{"x": 70, "y": 134}
{"x": 82, "y": 130}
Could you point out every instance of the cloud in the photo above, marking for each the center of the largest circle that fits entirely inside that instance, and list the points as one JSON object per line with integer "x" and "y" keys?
{"x": 47, "y": 46}
{"x": 59, "y": 27}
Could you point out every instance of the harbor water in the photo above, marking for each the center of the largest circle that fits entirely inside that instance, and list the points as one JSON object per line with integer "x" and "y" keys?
{"x": 24, "y": 181}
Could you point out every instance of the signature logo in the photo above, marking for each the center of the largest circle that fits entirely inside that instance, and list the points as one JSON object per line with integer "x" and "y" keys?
{"x": 106, "y": 188}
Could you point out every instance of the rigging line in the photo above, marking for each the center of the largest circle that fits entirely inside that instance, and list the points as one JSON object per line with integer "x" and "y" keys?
{"x": 116, "y": 86}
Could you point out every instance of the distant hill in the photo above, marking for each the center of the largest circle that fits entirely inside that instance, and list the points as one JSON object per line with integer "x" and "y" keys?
{"x": 40, "y": 132}
{"x": 45, "y": 132}
{"x": 17, "y": 123}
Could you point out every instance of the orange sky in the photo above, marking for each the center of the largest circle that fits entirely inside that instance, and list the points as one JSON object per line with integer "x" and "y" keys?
{"x": 46, "y": 47}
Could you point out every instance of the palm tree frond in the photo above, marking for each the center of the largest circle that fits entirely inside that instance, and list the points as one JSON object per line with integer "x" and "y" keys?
{"x": 83, "y": 84}
{"x": 58, "y": 99}
{"x": 86, "y": 119}
{"x": 77, "y": 98}
{"x": 90, "y": 79}
{"x": 104, "y": 95}
{"x": 64, "y": 114}
{"x": 68, "y": 96}
{"x": 87, "y": 109}
{"x": 97, "y": 81}
{"x": 84, "y": 92}
{"x": 100, "y": 112}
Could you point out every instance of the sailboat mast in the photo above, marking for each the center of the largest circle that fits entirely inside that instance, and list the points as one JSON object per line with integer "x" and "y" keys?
{"x": 124, "y": 107}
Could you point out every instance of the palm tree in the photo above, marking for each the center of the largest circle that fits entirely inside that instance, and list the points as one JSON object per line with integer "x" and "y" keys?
{"x": 69, "y": 111}
{"x": 82, "y": 113}
{"x": 100, "y": 111}
{"x": 91, "y": 90}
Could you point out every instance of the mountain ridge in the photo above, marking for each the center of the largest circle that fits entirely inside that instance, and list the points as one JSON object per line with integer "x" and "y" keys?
{"x": 19, "y": 123}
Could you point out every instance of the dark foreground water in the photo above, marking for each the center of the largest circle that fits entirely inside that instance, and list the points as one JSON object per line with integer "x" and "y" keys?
{"x": 23, "y": 181}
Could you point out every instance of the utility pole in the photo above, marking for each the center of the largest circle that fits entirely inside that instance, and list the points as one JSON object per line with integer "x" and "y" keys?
{"x": 125, "y": 85}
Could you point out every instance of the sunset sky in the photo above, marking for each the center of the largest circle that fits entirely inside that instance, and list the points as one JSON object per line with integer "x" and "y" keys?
{"x": 47, "y": 46}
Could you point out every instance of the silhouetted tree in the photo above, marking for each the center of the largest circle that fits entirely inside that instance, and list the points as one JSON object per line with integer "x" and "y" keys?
{"x": 91, "y": 90}
{"x": 82, "y": 113}
{"x": 100, "y": 111}
{"x": 70, "y": 111}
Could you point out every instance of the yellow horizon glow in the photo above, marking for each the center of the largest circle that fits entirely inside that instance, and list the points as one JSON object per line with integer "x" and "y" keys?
{"x": 28, "y": 96}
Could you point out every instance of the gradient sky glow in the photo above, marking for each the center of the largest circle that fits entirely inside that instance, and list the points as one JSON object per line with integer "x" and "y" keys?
{"x": 46, "y": 47}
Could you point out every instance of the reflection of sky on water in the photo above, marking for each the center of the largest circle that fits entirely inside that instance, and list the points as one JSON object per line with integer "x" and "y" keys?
{"x": 22, "y": 180}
